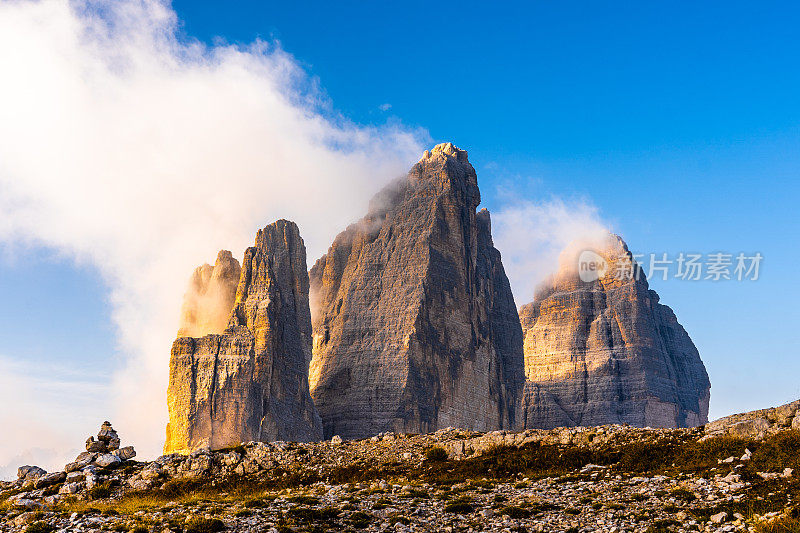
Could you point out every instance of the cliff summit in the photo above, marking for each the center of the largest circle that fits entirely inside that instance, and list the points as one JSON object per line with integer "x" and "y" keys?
{"x": 415, "y": 326}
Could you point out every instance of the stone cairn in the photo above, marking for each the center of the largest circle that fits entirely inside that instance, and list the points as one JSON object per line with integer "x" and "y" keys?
{"x": 79, "y": 476}
{"x": 105, "y": 451}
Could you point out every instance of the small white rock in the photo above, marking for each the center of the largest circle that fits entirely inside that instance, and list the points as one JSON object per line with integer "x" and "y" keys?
{"x": 107, "y": 459}
{"x": 72, "y": 477}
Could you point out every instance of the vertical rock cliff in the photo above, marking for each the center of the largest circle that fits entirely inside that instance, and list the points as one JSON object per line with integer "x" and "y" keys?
{"x": 607, "y": 352}
{"x": 250, "y": 383}
{"x": 415, "y": 326}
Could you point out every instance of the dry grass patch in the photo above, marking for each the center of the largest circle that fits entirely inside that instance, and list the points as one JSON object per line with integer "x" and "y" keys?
{"x": 781, "y": 525}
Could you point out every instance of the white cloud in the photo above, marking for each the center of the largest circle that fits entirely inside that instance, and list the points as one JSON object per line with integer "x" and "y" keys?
{"x": 532, "y": 235}
{"x": 385, "y": 107}
{"x": 124, "y": 146}
{"x": 37, "y": 401}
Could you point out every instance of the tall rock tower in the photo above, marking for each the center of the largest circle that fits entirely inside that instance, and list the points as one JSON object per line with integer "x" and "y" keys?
{"x": 250, "y": 383}
{"x": 415, "y": 326}
{"x": 605, "y": 351}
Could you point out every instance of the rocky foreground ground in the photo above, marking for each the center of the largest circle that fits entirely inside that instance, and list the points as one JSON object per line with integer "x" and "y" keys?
{"x": 611, "y": 478}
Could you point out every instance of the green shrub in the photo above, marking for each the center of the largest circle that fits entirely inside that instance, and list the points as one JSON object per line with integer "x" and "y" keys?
{"x": 781, "y": 525}
{"x": 436, "y": 454}
{"x": 305, "y": 500}
{"x": 52, "y": 489}
{"x": 40, "y": 527}
{"x": 101, "y": 490}
{"x": 415, "y": 493}
{"x": 660, "y": 456}
{"x": 204, "y": 525}
{"x": 382, "y": 503}
{"x": 459, "y": 507}
{"x": 662, "y": 526}
{"x": 515, "y": 512}
{"x": 394, "y": 519}
{"x": 307, "y": 514}
{"x": 360, "y": 520}
{"x": 177, "y": 488}
{"x": 683, "y": 493}
{"x": 255, "y": 503}
{"x": 777, "y": 452}
{"x": 541, "y": 507}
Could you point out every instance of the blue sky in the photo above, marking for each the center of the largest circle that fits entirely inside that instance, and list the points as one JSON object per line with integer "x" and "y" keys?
{"x": 680, "y": 122}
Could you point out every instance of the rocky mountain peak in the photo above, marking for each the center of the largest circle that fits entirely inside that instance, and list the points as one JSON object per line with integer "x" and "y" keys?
{"x": 250, "y": 383}
{"x": 415, "y": 326}
{"x": 446, "y": 169}
{"x": 602, "y": 349}
{"x": 446, "y": 150}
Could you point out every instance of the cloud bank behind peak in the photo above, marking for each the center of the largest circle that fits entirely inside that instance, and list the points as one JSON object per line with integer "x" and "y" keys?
{"x": 125, "y": 145}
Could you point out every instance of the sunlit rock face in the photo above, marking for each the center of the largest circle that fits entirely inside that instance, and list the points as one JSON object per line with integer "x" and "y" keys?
{"x": 250, "y": 383}
{"x": 209, "y": 298}
{"x": 415, "y": 326}
{"x": 607, "y": 352}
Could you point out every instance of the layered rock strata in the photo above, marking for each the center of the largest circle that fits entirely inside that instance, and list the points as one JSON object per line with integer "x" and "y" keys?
{"x": 250, "y": 383}
{"x": 415, "y": 326}
{"x": 605, "y": 351}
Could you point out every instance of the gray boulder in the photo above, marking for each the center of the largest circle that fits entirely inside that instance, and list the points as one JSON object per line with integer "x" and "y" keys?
{"x": 125, "y": 453}
{"x": 106, "y": 459}
{"x": 28, "y": 472}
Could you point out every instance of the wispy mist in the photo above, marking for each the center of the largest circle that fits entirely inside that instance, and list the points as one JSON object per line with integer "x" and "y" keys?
{"x": 123, "y": 145}
{"x": 532, "y": 235}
